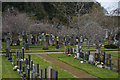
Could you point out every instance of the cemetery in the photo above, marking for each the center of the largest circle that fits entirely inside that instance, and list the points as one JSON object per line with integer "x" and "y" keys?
{"x": 55, "y": 40}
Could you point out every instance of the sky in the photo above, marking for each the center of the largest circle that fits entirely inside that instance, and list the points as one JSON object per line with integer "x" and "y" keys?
{"x": 109, "y": 5}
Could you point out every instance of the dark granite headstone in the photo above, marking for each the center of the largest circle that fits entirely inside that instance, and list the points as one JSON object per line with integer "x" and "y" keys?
{"x": 97, "y": 57}
{"x": 44, "y": 73}
{"x": 37, "y": 69}
{"x": 29, "y": 57}
{"x": 28, "y": 74}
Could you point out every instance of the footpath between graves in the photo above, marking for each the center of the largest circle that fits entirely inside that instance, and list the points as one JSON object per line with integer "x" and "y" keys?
{"x": 78, "y": 73}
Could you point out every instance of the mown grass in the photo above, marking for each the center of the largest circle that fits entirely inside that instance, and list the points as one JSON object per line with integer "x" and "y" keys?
{"x": 89, "y": 68}
{"x": 7, "y": 68}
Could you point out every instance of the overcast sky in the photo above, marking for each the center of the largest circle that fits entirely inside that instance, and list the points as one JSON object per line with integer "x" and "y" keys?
{"x": 109, "y": 5}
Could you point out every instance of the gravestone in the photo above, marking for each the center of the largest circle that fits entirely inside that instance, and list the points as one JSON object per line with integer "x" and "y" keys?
{"x": 20, "y": 66}
{"x": 18, "y": 42}
{"x": 77, "y": 48}
{"x": 31, "y": 65}
{"x": 55, "y": 74}
{"x": 86, "y": 57}
{"x": 108, "y": 61}
{"x": 116, "y": 64}
{"x": 28, "y": 74}
{"x": 31, "y": 75}
{"x": 102, "y": 57}
{"x": 44, "y": 73}
{"x": 47, "y": 38}
{"x": 27, "y": 46}
{"x": 23, "y": 68}
{"x": 37, "y": 69}
{"x": 40, "y": 74}
{"x": 23, "y": 53}
{"x": 13, "y": 61}
{"x": 23, "y": 43}
{"x": 26, "y": 62}
{"x": 73, "y": 50}
{"x": 60, "y": 40}
{"x": 91, "y": 58}
{"x": 81, "y": 56}
{"x": 33, "y": 68}
{"x": 49, "y": 72}
{"x": 29, "y": 57}
{"x": 97, "y": 56}
{"x": 45, "y": 46}
{"x": 57, "y": 44}
{"x": 78, "y": 55}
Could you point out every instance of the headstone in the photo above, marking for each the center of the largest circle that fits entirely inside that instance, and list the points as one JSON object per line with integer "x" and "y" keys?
{"x": 28, "y": 74}
{"x": 24, "y": 76}
{"x": 49, "y": 72}
{"x": 78, "y": 55}
{"x": 20, "y": 66}
{"x": 23, "y": 43}
{"x": 108, "y": 61}
{"x": 31, "y": 75}
{"x": 91, "y": 58}
{"x": 44, "y": 73}
{"x": 27, "y": 46}
{"x": 29, "y": 57}
{"x": 77, "y": 48}
{"x": 73, "y": 50}
{"x": 23, "y": 68}
{"x": 13, "y": 61}
{"x": 47, "y": 38}
{"x": 45, "y": 46}
{"x": 18, "y": 42}
{"x": 23, "y": 53}
{"x": 26, "y": 62}
{"x": 102, "y": 57}
{"x": 97, "y": 56}
{"x": 81, "y": 56}
{"x": 55, "y": 74}
{"x": 86, "y": 57}
{"x": 33, "y": 68}
{"x": 40, "y": 73}
{"x": 37, "y": 69}
{"x": 31, "y": 65}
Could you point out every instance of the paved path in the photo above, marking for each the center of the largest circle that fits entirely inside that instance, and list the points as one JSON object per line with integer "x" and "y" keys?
{"x": 77, "y": 72}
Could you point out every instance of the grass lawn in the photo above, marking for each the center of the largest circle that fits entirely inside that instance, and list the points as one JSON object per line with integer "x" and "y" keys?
{"x": 0, "y": 67}
{"x": 9, "y": 73}
{"x": 89, "y": 68}
{"x": 7, "y": 69}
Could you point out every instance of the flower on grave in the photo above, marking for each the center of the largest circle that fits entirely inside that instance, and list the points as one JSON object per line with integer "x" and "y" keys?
{"x": 69, "y": 54}
{"x": 24, "y": 59}
{"x": 15, "y": 68}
